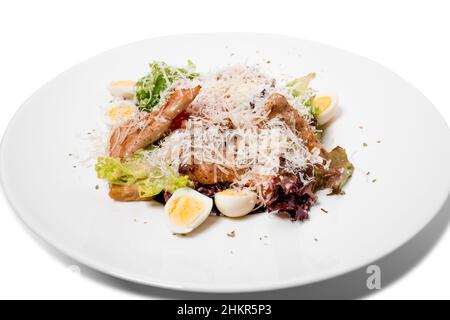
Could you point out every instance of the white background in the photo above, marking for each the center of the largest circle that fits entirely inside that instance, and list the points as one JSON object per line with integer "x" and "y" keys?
{"x": 40, "y": 39}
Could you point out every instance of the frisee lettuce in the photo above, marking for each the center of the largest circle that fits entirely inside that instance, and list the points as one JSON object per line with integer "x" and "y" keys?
{"x": 299, "y": 89}
{"x": 151, "y": 180}
{"x": 151, "y": 87}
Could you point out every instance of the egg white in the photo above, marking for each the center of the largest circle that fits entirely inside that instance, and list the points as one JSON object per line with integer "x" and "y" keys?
{"x": 201, "y": 217}
{"x": 329, "y": 113}
{"x": 115, "y": 104}
{"x": 234, "y": 206}
{"x": 126, "y": 90}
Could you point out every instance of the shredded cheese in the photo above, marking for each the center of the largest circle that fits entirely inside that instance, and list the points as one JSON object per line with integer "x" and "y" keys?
{"x": 233, "y": 96}
{"x": 256, "y": 154}
{"x": 229, "y": 129}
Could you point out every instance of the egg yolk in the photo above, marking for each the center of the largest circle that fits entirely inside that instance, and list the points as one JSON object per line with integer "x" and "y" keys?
{"x": 230, "y": 192}
{"x": 322, "y": 103}
{"x": 184, "y": 210}
{"x": 123, "y": 83}
{"x": 120, "y": 111}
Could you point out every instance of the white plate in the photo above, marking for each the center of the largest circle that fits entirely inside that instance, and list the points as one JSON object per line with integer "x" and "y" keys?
{"x": 60, "y": 203}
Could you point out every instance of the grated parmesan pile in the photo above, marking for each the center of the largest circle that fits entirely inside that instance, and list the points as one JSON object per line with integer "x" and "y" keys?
{"x": 222, "y": 131}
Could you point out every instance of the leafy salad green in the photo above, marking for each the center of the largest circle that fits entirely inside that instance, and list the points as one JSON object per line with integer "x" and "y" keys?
{"x": 150, "y": 88}
{"x": 299, "y": 89}
{"x": 151, "y": 180}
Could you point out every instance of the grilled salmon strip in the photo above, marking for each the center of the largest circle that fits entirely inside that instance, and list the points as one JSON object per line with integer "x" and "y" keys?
{"x": 209, "y": 173}
{"x": 278, "y": 106}
{"x": 139, "y": 132}
{"x": 125, "y": 193}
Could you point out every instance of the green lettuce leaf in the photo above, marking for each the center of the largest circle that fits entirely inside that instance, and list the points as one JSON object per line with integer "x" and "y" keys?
{"x": 300, "y": 89}
{"x": 151, "y": 180}
{"x": 338, "y": 173}
{"x": 150, "y": 87}
{"x": 300, "y": 85}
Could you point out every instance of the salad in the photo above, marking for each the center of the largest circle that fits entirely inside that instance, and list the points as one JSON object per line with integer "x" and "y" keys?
{"x": 229, "y": 142}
